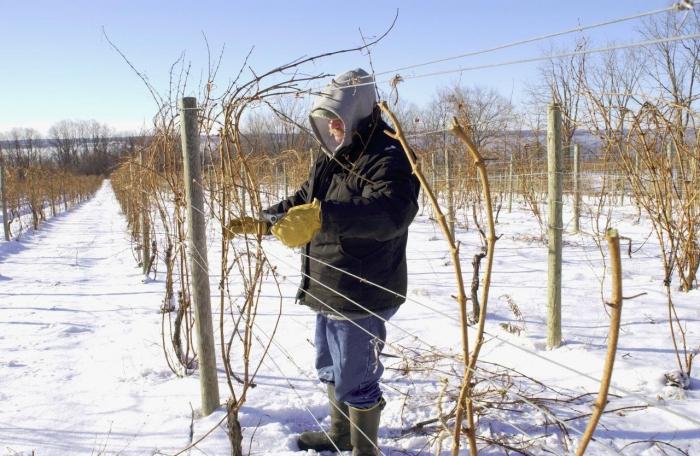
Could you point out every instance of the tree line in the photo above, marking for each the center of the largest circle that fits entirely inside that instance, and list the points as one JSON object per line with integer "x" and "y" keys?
{"x": 84, "y": 147}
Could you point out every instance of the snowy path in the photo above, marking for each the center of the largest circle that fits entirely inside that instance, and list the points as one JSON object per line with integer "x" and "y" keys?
{"x": 78, "y": 338}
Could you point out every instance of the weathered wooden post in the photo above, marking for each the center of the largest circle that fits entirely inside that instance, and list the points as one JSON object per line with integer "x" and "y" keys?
{"x": 212, "y": 189}
{"x": 623, "y": 189}
{"x": 577, "y": 196}
{"x": 5, "y": 221}
{"x": 199, "y": 265}
{"x": 274, "y": 178}
{"x": 450, "y": 193}
{"x": 243, "y": 187}
{"x": 145, "y": 221}
{"x": 433, "y": 175}
{"x": 671, "y": 158}
{"x": 554, "y": 178}
{"x": 312, "y": 157}
{"x": 133, "y": 218}
{"x": 510, "y": 183}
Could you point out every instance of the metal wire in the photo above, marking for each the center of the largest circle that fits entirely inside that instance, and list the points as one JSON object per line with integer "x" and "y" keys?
{"x": 543, "y": 410}
{"x": 556, "y": 363}
{"x": 534, "y": 39}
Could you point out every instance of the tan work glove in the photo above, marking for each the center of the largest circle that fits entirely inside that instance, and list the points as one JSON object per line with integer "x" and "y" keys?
{"x": 299, "y": 225}
{"x": 246, "y": 225}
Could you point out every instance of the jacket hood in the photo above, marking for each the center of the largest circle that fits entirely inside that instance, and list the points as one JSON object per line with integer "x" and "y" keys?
{"x": 349, "y": 97}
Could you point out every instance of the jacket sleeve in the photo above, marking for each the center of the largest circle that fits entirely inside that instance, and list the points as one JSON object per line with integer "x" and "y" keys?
{"x": 299, "y": 197}
{"x": 382, "y": 213}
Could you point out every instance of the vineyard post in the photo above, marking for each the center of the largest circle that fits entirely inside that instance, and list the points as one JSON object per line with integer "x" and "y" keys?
{"x": 433, "y": 165}
{"x": 555, "y": 225}
{"x": 5, "y": 221}
{"x": 433, "y": 170}
{"x": 212, "y": 189}
{"x": 196, "y": 234}
{"x": 285, "y": 179}
{"x": 671, "y": 157}
{"x": 243, "y": 180}
{"x": 577, "y": 195}
{"x": 132, "y": 188}
{"x": 275, "y": 177}
{"x": 145, "y": 223}
{"x": 623, "y": 188}
{"x": 510, "y": 183}
{"x": 450, "y": 192}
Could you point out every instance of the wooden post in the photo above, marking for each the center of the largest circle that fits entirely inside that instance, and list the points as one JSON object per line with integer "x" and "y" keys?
{"x": 670, "y": 157}
{"x": 450, "y": 193}
{"x": 197, "y": 246}
{"x": 433, "y": 165}
{"x": 433, "y": 177}
{"x": 5, "y": 221}
{"x": 312, "y": 158}
{"x": 555, "y": 225}
{"x": 510, "y": 183}
{"x": 133, "y": 220}
{"x": 275, "y": 178}
{"x": 145, "y": 221}
{"x": 212, "y": 190}
{"x": 243, "y": 187}
{"x": 577, "y": 195}
{"x": 622, "y": 184}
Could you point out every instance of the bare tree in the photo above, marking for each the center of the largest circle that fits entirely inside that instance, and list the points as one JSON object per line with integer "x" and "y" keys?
{"x": 24, "y": 147}
{"x": 672, "y": 67}
{"x": 64, "y": 137}
{"x": 277, "y": 126}
{"x": 560, "y": 82}
{"x": 611, "y": 87}
{"x": 483, "y": 110}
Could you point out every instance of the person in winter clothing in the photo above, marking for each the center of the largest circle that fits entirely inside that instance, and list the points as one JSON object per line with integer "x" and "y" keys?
{"x": 351, "y": 219}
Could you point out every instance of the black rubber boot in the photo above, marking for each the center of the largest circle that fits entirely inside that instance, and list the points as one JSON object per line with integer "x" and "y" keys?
{"x": 364, "y": 429}
{"x": 339, "y": 432}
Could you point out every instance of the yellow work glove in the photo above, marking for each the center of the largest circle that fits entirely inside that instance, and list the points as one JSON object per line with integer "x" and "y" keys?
{"x": 246, "y": 225}
{"x": 299, "y": 225}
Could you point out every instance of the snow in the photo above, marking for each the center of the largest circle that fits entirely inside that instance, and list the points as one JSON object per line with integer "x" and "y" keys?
{"x": 82, "y": 370}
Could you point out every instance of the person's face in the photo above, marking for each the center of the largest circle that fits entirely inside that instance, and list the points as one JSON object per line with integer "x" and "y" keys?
{"x": 336, "y": 129}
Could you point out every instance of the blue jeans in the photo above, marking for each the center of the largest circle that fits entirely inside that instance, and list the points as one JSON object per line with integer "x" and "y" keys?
{"x": 349, "y": 357}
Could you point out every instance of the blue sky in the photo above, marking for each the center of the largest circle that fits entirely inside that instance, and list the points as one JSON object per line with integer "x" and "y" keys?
{"x": 56, "y": 64}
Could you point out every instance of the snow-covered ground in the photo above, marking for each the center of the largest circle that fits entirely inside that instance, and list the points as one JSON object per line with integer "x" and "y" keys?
{"x": 82, "y": 370}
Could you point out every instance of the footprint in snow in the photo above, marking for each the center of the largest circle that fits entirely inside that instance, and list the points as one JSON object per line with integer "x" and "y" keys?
{"x": 75, "y": 330}
{"x": 153, "y": 375}
{"x": 421, "y": 292}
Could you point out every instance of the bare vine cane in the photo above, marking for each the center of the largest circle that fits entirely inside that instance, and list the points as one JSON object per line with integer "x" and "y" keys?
{"x": 613, "y": 239}
{"x": 454, "y": 250}
{"x": 466, "y": 393}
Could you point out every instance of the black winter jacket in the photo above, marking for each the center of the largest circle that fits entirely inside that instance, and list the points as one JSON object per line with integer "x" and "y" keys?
{"x": 368, "y": 198}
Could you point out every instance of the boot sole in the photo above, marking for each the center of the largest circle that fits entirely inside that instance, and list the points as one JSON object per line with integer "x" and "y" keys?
{"x": 305, "y": 447}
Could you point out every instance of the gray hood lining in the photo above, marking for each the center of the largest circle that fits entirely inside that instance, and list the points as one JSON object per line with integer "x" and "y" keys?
{"x": 350, "y": 104}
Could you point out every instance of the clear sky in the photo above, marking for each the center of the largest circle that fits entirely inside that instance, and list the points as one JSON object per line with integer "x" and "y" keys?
{"x": 55, "y": 63}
